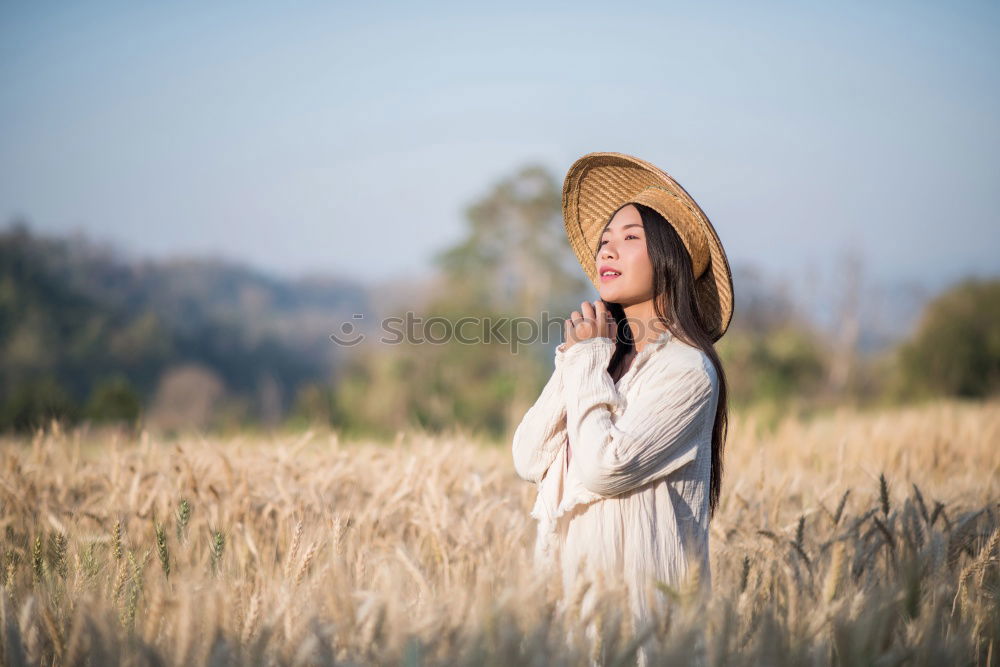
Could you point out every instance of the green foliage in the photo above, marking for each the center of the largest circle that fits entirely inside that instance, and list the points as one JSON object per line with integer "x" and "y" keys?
{"x": 956, "y": 348}
{"x": 34, "y": 403}
{"x": 431, "y": 387}
{"x": 314, "y": 404}
{"x": 84, "y": 334}
{"x": 114, "y": 400}
{"x": 513, "y": 262}
{"x": 773, "y": 367}
{"x": 514, "y": 257}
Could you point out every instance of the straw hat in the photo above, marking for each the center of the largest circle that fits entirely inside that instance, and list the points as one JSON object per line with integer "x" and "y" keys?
{"x": 599, "y": 183}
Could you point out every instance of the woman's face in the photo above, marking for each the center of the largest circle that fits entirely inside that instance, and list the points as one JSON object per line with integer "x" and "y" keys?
{"x": 623, "y": 249}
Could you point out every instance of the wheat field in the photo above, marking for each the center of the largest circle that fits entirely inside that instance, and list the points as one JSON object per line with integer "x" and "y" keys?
{"x": 854, "y": 538}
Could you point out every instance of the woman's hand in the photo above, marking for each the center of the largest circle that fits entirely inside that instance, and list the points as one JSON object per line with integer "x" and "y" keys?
{"x": 593, "y": 320}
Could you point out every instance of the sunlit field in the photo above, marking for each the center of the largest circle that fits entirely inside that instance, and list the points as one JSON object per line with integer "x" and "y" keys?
{"x": 849, "y": 539}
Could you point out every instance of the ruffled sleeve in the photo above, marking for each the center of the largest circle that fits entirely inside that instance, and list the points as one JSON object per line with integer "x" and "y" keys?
{"x": 542, "y": 431}
{"x": 619, "y": 447}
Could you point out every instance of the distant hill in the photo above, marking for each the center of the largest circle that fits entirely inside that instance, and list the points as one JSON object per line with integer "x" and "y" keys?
{"x": 73, "y": 312}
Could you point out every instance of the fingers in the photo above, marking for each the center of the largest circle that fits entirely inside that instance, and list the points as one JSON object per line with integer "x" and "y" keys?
{"x": 597, "y": 311}
{"x": 573, "y": 331}
{"x": 605, "y": 321}
{"x": 600, "y": 311}
{"x": 592, "y": 320}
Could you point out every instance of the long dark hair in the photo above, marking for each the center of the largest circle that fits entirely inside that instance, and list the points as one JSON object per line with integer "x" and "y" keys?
{"x": 676, "y": 305}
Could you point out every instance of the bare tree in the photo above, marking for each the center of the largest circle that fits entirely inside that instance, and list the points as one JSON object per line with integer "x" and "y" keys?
{"x": 187, "y": 396}
{"x": 847, "y": 326}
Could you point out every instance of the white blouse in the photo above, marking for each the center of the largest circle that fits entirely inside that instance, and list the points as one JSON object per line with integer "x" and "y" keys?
{"x": 623, "y": 470}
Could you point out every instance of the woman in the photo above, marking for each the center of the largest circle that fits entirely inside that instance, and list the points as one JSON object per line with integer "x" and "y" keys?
{"x": 625, "y": 441}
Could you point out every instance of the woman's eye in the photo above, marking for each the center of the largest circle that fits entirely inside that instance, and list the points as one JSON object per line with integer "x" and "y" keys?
{"x": 627, "y": 236}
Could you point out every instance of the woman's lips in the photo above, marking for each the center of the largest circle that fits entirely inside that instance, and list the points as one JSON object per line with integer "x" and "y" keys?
{"x": 610, "y": 276}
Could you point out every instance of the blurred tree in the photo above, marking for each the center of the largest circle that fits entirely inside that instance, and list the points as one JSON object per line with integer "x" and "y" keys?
{"x": 514, "y": 257}
{"x": 770, "y": 352}
{"x": 956, "y": 348}
{"x": 513, "y": 262}
{"x": 144, "y": 338}
{"x": 844, "y": 358}
{"x": 787, "y": 362}
{"x": 313, "y": 404}
{"x": 114, "y": 400}
{"x": 35, "y": 402}
{"x": 187, "y": 397}
{"x": 270, "y": 399}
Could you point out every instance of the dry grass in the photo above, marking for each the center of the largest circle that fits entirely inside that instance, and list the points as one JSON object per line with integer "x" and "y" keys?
{"x": 306, "y": 550}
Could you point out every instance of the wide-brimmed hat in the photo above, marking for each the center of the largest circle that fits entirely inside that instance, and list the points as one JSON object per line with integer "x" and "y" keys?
{"x": 598, "y": 184}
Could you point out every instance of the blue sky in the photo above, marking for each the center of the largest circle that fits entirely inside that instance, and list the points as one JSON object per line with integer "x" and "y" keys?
{"x": 305, "y": 137}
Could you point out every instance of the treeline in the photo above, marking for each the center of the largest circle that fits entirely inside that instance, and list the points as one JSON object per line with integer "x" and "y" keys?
{"x": 85, "y": 335}
{"x": 514, "y": 262}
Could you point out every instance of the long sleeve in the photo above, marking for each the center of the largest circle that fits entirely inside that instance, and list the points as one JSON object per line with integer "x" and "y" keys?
{"x": 542, "y": 430}
{"x": 615, "y": 451}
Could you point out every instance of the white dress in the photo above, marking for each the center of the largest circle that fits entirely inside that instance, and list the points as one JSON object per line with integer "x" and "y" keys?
{"x": 623, "y": 470}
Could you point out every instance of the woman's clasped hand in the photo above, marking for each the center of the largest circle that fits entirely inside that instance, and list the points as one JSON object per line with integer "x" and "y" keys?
{"x": 593, "y": 320}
